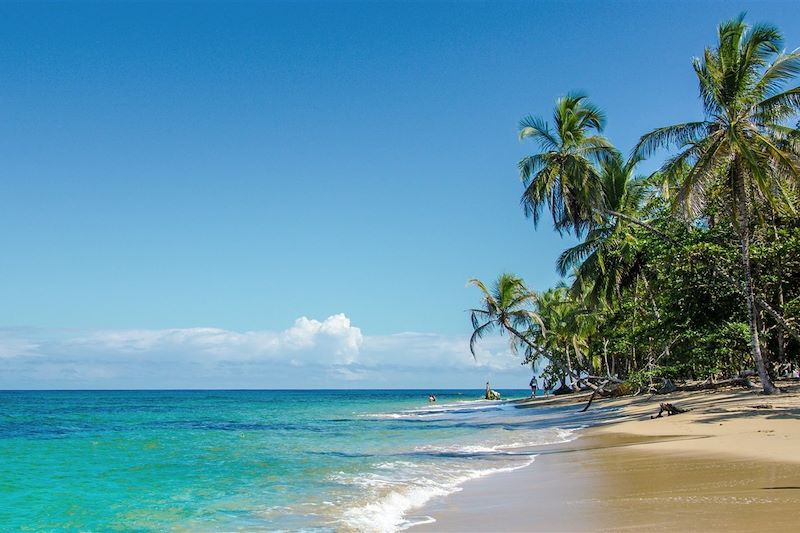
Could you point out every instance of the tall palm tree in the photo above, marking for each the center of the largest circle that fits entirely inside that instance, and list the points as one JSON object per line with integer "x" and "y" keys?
{"x": 610, "y": 256}
{"x": 742, "y": 151}
{"x": 506, "y": 308}
{"x": 563, "y": 175}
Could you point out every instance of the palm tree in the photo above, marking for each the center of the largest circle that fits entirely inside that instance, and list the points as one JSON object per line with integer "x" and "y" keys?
{"x": 742, "y": 151}
{"x": 563, "y": 175}
{"x": 567, "y": 332}
{"x": 610, "y": 257}
{"x": 506, "y": 308}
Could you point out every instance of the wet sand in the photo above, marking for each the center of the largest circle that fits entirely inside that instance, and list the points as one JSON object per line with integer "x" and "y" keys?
{"x": 732, "y": 463}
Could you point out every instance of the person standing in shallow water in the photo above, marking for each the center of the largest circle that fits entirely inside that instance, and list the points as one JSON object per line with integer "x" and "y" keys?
{"x": 491, "y": 394}
{"x": 533, "y": 385}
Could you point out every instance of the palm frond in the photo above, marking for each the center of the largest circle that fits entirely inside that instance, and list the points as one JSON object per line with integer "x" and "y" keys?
{"x": 535, "y": 128}
{"x": 783, "y": 69}
{"x": 779, "y": 106}
{"x": 674, "y": 136}
{"x": 478, "y": 333}
{"x": 574, "y": 256}
{"x": 691, "y": 193}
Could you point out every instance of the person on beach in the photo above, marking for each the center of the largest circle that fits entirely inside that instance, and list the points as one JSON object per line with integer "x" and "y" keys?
{"x": 431, "y": 398}
{"x": 534, "y": 385}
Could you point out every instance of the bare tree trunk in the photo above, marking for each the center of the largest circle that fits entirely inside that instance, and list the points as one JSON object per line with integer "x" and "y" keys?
{"x": 744, "y": 237}
{"x": 656, "y": 312}
{"x": 652, "y": 298}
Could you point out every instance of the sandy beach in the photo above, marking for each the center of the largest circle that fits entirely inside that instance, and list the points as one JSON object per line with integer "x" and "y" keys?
{"x": 732, "y": 462}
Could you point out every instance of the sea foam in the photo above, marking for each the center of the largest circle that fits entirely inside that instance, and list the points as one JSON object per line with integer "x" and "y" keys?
{"x": 389, "y": 512}
{"x": 504, "y": 439}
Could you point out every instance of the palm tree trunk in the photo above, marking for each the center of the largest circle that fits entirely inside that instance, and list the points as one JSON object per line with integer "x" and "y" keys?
{"x": 781, "y": 340}
{"x": 781, "y": 345}
{"x": 521, "y": 337}
{"x": 635, "y": 307}
{"x": 573, "y": 385}
{"x": 744, "y": 237}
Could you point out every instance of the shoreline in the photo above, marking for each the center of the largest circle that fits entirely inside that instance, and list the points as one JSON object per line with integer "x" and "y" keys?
{"x": 731, "y": 462}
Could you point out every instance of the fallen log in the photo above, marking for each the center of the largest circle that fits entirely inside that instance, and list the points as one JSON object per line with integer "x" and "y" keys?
{"x": 666, "y": 387}
{"x": 705, "y": 385}
{"x": 609, "y": 387}
{"x": 598, "y": 390}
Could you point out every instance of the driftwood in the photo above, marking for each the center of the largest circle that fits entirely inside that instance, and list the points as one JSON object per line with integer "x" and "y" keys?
{"x": 670, "y": 409}
{"x": 591, "y": 399}
{"x": 611, "y": 382}
{"x": 668, "y": 387}
{"x": 609, "y": 385}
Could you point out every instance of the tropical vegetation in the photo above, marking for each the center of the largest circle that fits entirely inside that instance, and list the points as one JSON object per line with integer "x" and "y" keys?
{"x": 691, "y": 273}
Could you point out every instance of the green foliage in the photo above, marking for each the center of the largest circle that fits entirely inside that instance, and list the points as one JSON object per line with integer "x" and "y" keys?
{"x": 641, "y": 379}
{"x": 661, "y": 284}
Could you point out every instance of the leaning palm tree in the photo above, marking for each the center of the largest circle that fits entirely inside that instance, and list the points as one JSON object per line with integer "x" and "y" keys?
{"x": 506, "y": 308}
{"x": 742, "y": 151}
{"x": 563, "y": 175}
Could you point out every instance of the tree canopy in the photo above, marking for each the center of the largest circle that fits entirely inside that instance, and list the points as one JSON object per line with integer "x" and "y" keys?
{"x": 690, "y": 273}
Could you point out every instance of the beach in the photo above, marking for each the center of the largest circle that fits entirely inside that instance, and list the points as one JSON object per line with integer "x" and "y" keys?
{"x": 732, "y": 462}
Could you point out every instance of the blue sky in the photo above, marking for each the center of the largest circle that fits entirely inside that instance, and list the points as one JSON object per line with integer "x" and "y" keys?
{"x": 235, "y": 168}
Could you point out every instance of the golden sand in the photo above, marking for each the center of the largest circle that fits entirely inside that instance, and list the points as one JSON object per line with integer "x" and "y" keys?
{"x": 731, "y": 463}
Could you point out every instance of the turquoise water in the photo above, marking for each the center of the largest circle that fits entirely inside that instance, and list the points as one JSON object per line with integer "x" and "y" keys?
{"x": 251, "y": 460}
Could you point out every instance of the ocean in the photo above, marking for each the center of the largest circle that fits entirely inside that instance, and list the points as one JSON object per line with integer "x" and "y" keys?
{"x": 338, "y": 460}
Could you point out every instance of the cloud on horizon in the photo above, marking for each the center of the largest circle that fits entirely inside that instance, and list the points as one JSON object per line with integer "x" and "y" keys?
{"x": 331, "y": 353}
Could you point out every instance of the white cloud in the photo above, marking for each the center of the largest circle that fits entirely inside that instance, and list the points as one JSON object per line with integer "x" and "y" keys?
{"x": 333, "y": 340}
{"x": 16, "y": 343}
{"x": 310, "y": 353}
